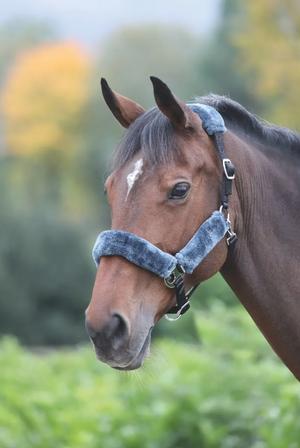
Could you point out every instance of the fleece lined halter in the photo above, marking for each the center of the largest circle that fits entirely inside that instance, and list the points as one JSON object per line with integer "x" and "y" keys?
{"x": 169, "y": 267}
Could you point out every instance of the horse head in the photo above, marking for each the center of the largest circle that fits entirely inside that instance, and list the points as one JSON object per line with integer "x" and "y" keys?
{"x": 164, "y": 185}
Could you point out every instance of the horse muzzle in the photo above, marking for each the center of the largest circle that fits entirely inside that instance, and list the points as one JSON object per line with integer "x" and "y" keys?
{"x": 116, "y": 346}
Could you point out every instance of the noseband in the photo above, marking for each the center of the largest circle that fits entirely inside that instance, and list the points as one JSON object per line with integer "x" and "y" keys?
{"x": 172, "y": 268}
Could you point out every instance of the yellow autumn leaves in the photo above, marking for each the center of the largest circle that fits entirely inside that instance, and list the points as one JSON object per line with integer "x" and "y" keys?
{"x": 44, "y": 99}
{"x": 270, "y": 46}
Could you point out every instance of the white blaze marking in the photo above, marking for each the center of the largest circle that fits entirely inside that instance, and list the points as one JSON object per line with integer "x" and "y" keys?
{"x": 134, "y": 175}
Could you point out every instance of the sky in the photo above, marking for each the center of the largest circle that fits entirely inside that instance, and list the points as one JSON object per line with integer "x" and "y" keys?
{"x": 89, "y": 21}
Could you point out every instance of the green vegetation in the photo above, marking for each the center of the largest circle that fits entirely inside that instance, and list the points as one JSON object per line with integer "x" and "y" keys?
{"x": 45, "y": 277}
{"x": 226, "y": 391}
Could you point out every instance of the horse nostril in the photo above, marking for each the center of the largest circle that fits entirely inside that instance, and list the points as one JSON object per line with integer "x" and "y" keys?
{"x": 116, "y": 330}
{"x": 113, "y": 334}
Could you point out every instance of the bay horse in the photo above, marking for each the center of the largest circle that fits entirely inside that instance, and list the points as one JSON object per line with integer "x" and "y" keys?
{"x": 166, "y": 182}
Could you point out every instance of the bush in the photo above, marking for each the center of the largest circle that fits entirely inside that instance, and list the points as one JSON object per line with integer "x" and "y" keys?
{"x": 229, "y": 391}
{"x": 46, "y": 275}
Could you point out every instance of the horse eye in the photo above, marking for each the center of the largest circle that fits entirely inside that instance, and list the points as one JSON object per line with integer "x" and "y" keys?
{"x": 179, "y": 191}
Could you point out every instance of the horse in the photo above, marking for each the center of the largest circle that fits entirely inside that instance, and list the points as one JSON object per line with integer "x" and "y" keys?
{"x": 166, "y": 182}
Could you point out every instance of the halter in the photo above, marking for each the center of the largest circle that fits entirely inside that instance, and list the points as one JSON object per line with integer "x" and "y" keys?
{"x": 172, "y": 268}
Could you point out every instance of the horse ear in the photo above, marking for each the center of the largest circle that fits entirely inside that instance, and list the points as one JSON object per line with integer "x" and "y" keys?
{"x": 169, "y": 105}
{"x": 124, "y": 109}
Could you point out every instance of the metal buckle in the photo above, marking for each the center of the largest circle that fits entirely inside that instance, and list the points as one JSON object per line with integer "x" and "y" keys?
{"x": 177, "y": 272}
{"x": 224, "y": 161}
{"x": 231, "y": 237}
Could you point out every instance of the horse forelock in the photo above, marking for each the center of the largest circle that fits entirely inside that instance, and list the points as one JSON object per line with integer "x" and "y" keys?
{"x": 153, "y": 135}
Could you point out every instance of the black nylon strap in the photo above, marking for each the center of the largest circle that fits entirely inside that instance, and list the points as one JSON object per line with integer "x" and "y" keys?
{"x": 228, "y": 169}
{"x": 219, "y": 143}
{"x": 182, "y": 299}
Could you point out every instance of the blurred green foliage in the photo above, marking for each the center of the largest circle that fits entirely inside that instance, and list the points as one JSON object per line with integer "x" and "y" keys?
{"x": 42, "y": 299}
{"x": 274, "y": 28}
{"x": 173, "y": 62}
{"x": 17, "y": 35}
{"x": 227, "y": 391}
{"x": 218, "y": 66}
{"x": 46, "y": 274}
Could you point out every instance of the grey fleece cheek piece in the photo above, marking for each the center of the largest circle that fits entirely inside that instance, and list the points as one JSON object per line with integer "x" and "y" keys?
{"x": 147, "y": 256}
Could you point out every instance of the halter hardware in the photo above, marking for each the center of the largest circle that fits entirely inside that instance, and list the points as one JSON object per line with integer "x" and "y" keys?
{"x": 178, "y": 272}
{"x": 231, "y": 236}
{"x": 229, "y": 169}
{"x": 176, "y": 280}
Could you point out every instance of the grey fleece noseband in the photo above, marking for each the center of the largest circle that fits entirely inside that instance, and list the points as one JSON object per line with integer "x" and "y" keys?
{"x": 147, "y": 256}
{"x": 173, "y": 267}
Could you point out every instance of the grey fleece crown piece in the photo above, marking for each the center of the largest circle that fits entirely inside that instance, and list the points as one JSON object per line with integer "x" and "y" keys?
{"x": 212, "y": 121}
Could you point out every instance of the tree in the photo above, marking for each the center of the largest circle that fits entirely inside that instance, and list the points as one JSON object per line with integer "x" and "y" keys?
{"x": 44, "y": 99}
{"x": 218, "y": 65}
{"x": 270, "y": 44}
{"x": 46, "y": 275}
{"x": 18, "y": 35}
{"x": 135, "y": 53}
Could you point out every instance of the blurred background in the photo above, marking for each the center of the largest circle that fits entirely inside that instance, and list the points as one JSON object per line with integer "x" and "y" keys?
{"x": 212, "y": 380}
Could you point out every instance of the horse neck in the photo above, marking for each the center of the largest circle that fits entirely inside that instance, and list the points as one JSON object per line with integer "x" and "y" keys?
{"x": 263, "y": 267}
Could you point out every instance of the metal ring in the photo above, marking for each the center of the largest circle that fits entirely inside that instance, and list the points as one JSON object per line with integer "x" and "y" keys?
{"x": 178, "y": 314}
{"x": 170, "y": 283}
{"x": 225, "y": 212}
{"x": 173, "y": 319}
{"x": 177, "y": 272}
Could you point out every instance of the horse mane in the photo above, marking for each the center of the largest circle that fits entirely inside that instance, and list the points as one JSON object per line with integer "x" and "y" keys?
{"x": 238, "y": 119}
{"x": 153, "y": 134}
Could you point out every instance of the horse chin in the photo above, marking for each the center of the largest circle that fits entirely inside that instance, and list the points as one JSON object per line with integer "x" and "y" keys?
{"x": 135, "y": 361}
{"x": 138, "y": 361}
